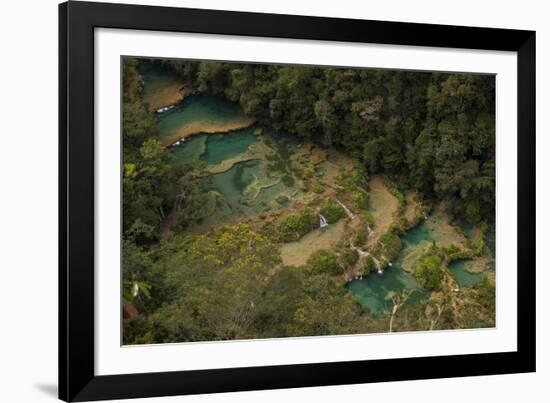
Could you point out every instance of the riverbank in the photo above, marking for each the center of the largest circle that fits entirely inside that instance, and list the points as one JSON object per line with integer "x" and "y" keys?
{"x": 161, "y": 86}
{"x": 383, "y": 207}
{"x": 243, "y": 174}
{"x": 168, "y": 97}
{"x": 201, "y": 113}
{"x": 205, "y": 127}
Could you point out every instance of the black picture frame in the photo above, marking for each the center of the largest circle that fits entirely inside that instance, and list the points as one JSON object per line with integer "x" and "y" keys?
{"x": 77, "y": 379}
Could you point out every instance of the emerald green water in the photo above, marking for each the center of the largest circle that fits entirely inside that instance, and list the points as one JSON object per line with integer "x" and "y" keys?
{"x": 215, "y": 148}
{"x": 253, "y": 187}
{"x": 199, "y": 111}
{"x": 247, "y": 188}
{"x": 460, "y": 271}
{"x": 417, "y": 235}
{"x": 191, "y": 150}
{"x": 373, "y": 289}
{"x": 220, "y": 147}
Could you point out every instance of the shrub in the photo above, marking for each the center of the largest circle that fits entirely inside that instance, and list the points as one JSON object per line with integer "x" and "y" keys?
{"x": 361, "y": 236}
{"x": 428, "y": 270}
{"x": 391, "y": 243}
{"x": 369, "y": 219}
{"x": 349, "y": 257}
{"x": 472, "y": 212}
{"x": 353, "y": 182}
{"x": 359, "y": 175}
{"x": 486, "y": 294}
{"x": 360, "y": 200}
{"x": 293, "y": 226}
{"x": 478, "y": 251}
{"x": 323, "y": 261}
{"x": 309, "y": 172}
{"x": 271, "y": 232}
{"x": 369, "y": 265}
{"x": 455, "y": 253}
{"x": 394, "y": 190}
{"x": 318, "y": 187}
{"x": 332, "y": 211}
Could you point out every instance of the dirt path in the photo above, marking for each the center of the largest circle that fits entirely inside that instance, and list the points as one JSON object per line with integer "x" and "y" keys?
{"x": 410, "y": 210}
{"x": 170, "y": 95}
{"x": 383, "y": 207}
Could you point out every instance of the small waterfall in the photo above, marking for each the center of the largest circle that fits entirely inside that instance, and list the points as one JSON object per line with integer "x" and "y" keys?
{"x": 361, "y": 253}
{"x": 177, "y": 142}
{"x": 165, "y": 108}
{"x": 322, "y": 221}
{"x": 347, "y": 210}
{"x": 370, "y": 231}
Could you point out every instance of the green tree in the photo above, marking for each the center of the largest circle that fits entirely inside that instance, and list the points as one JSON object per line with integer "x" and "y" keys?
{"x": 428, "y": 269}
{"x": 324, "y": 261}
{"x": 332, "y": 211}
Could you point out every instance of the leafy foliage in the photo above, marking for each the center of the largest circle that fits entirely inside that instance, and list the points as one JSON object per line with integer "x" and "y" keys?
{"x": 332, "y": 211}
{"x": 293, "y": 226}
{"x": 369, "y": 266}
{"x": 434, "y": 131}
{"x": 428, "y": 270}
{"x": 486, "y": 295}
{"x": 429, "y": 132}
{"x": 324, "y": 261}
{"x": 389, "y": 244}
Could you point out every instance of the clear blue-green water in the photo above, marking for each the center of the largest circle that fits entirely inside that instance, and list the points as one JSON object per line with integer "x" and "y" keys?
{"x": 372, "y": 291}
{"x": 215, "y": 148}
{"x": 247, "y": 188}
{"x": 252, "y": 187}
{"x": 200, "y": 112}
{"x": 460, "y": 271}
{"x": 417, "y": 235}
{"x": 220, "y": 147}
{"x": 191, "y": 150}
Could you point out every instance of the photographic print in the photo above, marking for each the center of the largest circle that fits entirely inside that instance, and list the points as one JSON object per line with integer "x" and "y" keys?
{"x": 269, "y": 200}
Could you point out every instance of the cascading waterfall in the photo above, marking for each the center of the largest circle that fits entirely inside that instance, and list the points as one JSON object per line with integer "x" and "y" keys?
{"x": 347, "y": 210}
{"x": 322, "y": 221}
{"x": 363, "y": 254}
{"x": 370, "y": 231}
